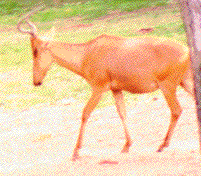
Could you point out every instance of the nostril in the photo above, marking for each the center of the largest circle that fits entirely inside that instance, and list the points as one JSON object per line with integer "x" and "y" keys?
{"x": 37, "y": 84}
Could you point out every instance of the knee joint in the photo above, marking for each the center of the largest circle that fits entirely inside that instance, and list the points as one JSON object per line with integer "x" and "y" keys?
{"x": 176, "y": 113}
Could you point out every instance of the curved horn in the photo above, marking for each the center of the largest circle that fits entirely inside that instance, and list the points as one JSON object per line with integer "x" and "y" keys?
{"x": 31, "y": 25}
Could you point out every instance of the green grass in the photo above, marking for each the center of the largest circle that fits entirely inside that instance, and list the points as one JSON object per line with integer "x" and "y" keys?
{"x": 88, "y": 10}
{"x": 11, "y": 7}
{"x": 95, "y": 9}
{"x": 17, "y": 91}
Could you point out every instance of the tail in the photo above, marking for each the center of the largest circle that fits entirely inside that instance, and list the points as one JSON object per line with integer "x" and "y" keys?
{"x": 187, "y": 82}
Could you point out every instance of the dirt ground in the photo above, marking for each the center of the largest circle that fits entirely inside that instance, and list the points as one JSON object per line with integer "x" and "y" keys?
{"x": 40, "y": 140}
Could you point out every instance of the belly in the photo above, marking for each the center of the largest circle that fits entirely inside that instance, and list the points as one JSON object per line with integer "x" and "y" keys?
{"x": 139, "y": 87}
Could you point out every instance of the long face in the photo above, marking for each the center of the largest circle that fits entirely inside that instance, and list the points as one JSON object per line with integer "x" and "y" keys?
{"x": 42, "y": 60}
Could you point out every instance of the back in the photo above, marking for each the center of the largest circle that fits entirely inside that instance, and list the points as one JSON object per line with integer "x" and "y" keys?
{"x": 128, "y": 62}
{"x": 155, "y": 55}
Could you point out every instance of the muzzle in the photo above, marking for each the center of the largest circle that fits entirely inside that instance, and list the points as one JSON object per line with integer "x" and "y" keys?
{"x": 37, "y": 84}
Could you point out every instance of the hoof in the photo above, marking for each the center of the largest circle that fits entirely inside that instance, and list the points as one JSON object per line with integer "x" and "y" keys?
{"x": 125, "y": 150}
{"x": 75, "y": 156}
{"x": 159, "y": 150}
{"x": 126, "y": 147}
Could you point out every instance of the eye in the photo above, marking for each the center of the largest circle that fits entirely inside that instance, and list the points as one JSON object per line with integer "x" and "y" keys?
{"x": 35, "y": 52}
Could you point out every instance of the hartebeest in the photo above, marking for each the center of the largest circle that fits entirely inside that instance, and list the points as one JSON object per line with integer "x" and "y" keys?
{"x": 138, "y": 65}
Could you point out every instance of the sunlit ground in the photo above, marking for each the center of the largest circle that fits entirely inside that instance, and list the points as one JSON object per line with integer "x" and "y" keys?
{"x": 42, "y": 139}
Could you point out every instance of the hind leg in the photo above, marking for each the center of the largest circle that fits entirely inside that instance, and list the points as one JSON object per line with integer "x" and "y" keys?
{"x": 169, "y": 91}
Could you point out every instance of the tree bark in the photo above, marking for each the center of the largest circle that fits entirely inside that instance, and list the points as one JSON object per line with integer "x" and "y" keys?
{"x": 191, "y": 12}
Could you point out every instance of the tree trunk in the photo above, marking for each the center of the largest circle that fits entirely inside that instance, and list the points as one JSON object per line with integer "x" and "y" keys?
{"x": 191, "y": 12}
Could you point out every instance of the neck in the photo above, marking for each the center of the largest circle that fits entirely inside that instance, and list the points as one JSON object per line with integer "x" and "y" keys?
{"x": 69, "y": 56}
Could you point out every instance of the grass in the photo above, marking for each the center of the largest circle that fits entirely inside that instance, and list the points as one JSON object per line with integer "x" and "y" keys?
{"x": 16, "y": 89}
{"x": 88, "y": 10}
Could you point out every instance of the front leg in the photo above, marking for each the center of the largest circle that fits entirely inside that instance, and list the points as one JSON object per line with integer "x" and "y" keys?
{"x": 92, "y": 103}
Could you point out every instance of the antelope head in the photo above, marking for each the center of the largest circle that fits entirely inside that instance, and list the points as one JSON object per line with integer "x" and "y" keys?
{"x": 42, "y": 58}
